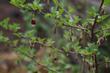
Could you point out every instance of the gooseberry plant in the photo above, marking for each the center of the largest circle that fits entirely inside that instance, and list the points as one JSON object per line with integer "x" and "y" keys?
{"x": 73, "y": 42}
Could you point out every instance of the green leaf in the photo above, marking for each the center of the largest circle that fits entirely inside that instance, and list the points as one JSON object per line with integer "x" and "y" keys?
{"x": 5, "y": 23}
{"x": 3, "y": 38}
{"x": 18, "y": 3}
{"x": 15, "y": 27}
{"x": 29, "y": 33}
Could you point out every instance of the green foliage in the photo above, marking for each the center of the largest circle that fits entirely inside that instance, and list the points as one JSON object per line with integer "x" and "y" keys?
{"x": 14, "y": 27}
{"x": 18, "y": 3}
{"x": 76, "y": 35}
{"x": 107, "y": 2}
{"x": 35, "y": 5}
{"x": 90, "y": 50}
{"x": 3, "y": 38}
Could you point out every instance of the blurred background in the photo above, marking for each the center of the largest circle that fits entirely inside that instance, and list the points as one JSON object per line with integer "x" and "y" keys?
{"x": 43, "y": 29}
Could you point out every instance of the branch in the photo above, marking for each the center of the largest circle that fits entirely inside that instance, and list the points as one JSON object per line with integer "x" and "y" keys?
{"x": 95, "y": 21}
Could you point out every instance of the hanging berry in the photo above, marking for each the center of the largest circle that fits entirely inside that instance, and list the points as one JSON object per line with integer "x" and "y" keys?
{"x": 33, "y": 22}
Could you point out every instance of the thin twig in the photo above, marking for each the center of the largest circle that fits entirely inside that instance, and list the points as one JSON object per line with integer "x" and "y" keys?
{"x": 96, "y": 63}
{"x": 79, "y": 27}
